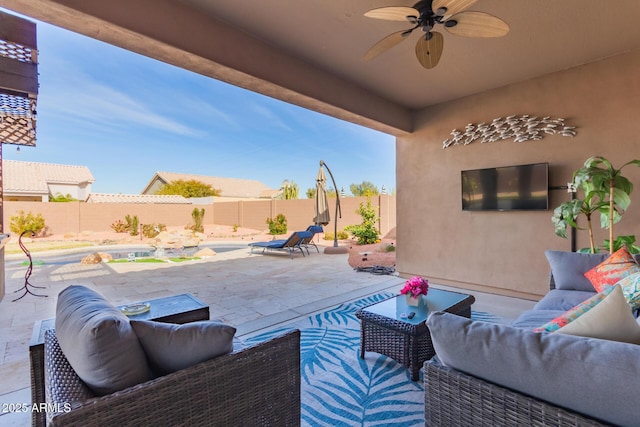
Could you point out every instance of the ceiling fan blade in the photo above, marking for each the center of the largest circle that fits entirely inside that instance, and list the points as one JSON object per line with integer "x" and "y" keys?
{"x": 429, "y": 51}
{"x": 476, "y": 24}
{"x": 453, "y": 6}
{"x": 392, "y": 13}
{"x": 383, "y": 45}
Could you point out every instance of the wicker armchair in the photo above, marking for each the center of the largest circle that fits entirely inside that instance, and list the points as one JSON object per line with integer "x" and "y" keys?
{"x": 455, "y": 399}
{"x": 256, "y": 386}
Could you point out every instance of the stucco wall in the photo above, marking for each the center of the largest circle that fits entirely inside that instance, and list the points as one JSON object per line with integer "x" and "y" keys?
{"x": 74, "y": 217}
{"x": 503, "y": 252}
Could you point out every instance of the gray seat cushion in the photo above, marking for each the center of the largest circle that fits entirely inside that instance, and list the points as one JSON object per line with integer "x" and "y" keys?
{"x": 589, "y": 376}
{"x": 98, "y": 341}
{"x": 559, "y": 299}
{"x": 533, "y": 318}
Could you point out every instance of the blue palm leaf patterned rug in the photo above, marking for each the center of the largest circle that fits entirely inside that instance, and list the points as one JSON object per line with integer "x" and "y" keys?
{"x": 341, "y": 389}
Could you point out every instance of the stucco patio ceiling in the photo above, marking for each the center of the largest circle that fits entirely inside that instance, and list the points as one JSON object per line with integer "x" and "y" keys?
{"x": 310, "y": 52}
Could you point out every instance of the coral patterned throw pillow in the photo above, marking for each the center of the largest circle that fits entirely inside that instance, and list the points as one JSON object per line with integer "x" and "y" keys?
{"x": 615, "y": 268}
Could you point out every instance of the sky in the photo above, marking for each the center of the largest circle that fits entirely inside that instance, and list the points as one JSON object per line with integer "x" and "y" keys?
{"x": 126, "y": 116}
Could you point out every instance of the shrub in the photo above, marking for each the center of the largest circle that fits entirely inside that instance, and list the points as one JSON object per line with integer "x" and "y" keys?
{"x": 62, "y": 198}
{"x": 365, "y": 232}
{"x": 311, "y": 193}
{"x": 390, "y": 248}
{"x": 342, "y": 235}
{"x": 198, "y": 217}
{"x": 119, "y": 226}
{"x": 152, "y": 230}
{"x": 235, "y": 228}
{"x": 132, "y": 224}
{"x": 27, "y": 222}
{"x": 277, "y": 225}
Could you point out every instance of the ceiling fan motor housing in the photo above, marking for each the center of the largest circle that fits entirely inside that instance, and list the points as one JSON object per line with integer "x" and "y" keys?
{"x": 428, "y": 17}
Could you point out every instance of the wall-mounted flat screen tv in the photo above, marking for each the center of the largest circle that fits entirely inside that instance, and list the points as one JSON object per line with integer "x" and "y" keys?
{"x": 521, "y": 187}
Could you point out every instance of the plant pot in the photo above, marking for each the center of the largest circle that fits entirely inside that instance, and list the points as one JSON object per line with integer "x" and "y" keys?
{"x": 413, "y": 302}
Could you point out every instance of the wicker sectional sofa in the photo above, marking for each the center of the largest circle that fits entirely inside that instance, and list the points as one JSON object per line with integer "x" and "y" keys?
{"x": 508, "y": 375}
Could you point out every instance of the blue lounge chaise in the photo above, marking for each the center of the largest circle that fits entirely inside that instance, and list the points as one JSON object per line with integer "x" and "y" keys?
{"x": 308, "y": 241}
{"x": 290, "y": 245}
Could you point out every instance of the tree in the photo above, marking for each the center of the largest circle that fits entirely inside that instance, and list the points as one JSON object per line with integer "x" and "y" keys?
{"x": 59, "y": 197}
{"x": 367, "y": 231}
{"x": 311, "y": 193}
{"x": 366, "y": 188}
{"x": 190, "y": 188}
{"x": 290, "y": 190}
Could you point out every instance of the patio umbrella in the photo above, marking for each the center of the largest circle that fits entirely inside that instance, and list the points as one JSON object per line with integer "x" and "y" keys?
{"x": 322, "y": 216}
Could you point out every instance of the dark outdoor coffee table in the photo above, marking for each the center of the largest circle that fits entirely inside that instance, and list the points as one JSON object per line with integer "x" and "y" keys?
{"x": 408, "y": 341}
{"x": 181, "y": 308}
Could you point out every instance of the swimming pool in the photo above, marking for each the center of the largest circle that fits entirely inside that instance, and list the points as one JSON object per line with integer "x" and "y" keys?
{"x": 123, "y": 253}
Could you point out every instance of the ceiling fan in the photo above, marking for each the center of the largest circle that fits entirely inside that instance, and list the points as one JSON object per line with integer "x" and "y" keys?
{"x": 426, "y": 15}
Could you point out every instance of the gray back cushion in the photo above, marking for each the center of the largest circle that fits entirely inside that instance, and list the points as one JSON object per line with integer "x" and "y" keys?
{"x": 568, "y": 268}
{"x": 589, "y": 376}
{"x": 98, "y": 341}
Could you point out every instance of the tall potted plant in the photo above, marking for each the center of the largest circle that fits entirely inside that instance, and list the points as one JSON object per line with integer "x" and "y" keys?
{"x": 607, "y": 192}
{"x": 567, "y": 213}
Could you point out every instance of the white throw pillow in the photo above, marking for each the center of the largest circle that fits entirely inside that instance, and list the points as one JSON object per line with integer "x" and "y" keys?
{"x": 611, "y": 319}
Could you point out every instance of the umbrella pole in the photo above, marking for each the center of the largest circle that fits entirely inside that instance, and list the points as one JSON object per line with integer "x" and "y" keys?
{"x": 338, "y": 210}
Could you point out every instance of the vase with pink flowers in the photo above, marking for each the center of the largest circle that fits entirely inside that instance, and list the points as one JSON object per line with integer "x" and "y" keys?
{"x": 413, "y": 290}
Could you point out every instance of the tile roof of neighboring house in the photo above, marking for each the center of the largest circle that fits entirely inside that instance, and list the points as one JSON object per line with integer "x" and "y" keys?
{"x": 229, "y": 187}
{"x": 135, "y": 198}
{"x": 33, "y": 177}
{"x": 269, "y": 193}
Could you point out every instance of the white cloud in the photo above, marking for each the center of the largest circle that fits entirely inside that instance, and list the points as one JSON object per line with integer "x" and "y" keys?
{"x": 207, "y": 111}
{"x": 77, "y": 95}
{"x": 271, "y": 118}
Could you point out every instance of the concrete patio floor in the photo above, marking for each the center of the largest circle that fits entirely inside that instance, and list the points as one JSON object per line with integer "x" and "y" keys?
{"x": 250, "y": 292}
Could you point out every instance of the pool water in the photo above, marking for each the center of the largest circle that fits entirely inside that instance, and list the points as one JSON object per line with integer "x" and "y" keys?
{"x": 127, "y": 254}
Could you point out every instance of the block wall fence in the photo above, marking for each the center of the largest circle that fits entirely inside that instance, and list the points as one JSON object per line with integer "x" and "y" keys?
{"x": 76, "y": 217}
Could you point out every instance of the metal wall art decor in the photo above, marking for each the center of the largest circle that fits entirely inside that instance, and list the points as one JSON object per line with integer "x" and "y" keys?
{"x": 523, "y": 128}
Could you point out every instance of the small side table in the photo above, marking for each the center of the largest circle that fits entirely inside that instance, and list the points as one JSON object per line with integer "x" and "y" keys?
{"x": 383, "y": 328}
{"x": 183, "y": 308}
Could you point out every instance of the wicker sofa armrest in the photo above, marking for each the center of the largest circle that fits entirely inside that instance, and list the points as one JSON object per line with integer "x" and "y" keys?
{"x": 63, "y": 387}
{"x": 258, "y": 385}
{"x": 453, "y": 398}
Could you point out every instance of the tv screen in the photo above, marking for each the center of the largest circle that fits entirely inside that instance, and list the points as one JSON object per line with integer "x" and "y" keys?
{"x": 521, "y": 187}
